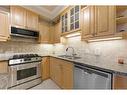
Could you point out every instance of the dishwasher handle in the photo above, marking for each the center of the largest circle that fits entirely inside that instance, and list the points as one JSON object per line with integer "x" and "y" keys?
{"x": 88, "y": 70}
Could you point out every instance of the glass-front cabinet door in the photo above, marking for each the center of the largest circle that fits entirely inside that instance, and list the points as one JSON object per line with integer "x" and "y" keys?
{"x": 70, "y": 19}
{"x": 75, "y": 18}
{"x": 64, "y": 22}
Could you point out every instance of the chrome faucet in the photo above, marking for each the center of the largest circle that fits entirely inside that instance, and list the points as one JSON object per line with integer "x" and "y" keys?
{"x": 73, "y": 51}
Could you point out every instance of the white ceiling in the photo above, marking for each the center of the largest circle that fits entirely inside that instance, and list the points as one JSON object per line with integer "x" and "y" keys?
{"x": 47, "y": 11}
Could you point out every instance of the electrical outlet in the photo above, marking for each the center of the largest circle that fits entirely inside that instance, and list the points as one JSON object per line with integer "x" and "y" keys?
{"x": 97, "y": 51}
{"x": 87, "y": 51}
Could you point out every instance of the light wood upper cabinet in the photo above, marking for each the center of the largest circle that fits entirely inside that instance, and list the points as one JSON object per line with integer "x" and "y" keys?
{"x": 87, "y": 16}
{"x": 119, "y": 82}
{"x": 45, "y": 68}
{"x": 98, "y": 21}
{"x": 61, "y": 72}
{"x": 18, "y": 16}
{"x": 44, "y": 32}
{"x": 65, "y": 22}
{"x": 23, "y": 18}
{"x": 4, "y": 22}
{"x": 74, "y": 18}
{"x": 70, "y": 20}
{"x": 32, "y": 20}
{"x": 57, "y": 32}
{"x": 104, "y": 20}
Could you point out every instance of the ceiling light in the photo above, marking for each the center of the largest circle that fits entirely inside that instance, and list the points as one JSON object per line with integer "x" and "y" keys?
{"x": 73, "y": 35}
{"x": 105, "y": 39}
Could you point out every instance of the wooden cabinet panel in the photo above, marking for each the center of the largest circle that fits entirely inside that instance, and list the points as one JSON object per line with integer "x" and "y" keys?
{"x": 32, "y": 20}
{"x": 58, "y": 73}
{"x": 67, "y": 75}
{"x": 61, "y": 72}
{"x": 45, "y": 68}
{"x": 4, "y": 22}
{"x": 55, "y": 71}
{"x": 104, "y": 20}
{"x": 119, "y": 82}
{"x": 18, "y": 16}
{"x": 52, "y": 68}
{"x": 44, "y": 32}
{"x": 87, "y": 15}
{"x": 57, "y": 32}
{"x": 4, "y": 67}
{"x": 23, "y": 18}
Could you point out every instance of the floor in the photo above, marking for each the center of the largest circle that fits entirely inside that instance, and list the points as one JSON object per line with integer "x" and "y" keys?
{"x": 47, "y": 84}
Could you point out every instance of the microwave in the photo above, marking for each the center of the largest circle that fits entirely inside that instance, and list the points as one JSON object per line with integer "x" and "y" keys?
{"x": 24, "y": 33}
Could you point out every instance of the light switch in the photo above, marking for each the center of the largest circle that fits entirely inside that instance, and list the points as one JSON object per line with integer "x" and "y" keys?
{"x": 97, "y": 51}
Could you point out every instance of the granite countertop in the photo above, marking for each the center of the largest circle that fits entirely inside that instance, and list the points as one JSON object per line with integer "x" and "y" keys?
{"x": 114, "y": 68}
{"x": 117, "y": 68}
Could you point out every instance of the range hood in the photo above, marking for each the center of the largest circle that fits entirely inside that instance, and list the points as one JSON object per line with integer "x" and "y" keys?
{"x": 25, "y": 33}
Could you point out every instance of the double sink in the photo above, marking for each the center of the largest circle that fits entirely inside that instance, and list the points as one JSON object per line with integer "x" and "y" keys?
{"x": 69, "y": 57}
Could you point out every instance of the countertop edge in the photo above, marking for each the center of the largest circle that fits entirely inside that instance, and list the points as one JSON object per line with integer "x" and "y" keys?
{"x": 91, "y": 66}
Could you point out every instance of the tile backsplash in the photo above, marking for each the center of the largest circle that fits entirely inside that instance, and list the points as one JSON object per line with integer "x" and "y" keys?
{"x": 24, "y": 47}
{"x": 105, "y": 51}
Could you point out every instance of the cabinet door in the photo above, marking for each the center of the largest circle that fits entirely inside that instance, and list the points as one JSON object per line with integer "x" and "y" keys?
{"x": 57, "y": 32}
{"x": 67, "y": 75}
{"x": 4, "y": 22}
{"x": 55, "y": 71}
{"x": 45, "y": 68}
{"x": 32, "y": 21}
{"x": 104, "y": 20}
{"x": 58, "y": 73}
{"x": 52, "y": 68}
{"x": 64, "y": 20}
{"x": 119, "y": 82}
{"x": 75, "y": 18}
{"x": 44, "y": 32}
{"x": 18, "y": 16}
{"x": 4, "y": 67}
{"x": 87, "y": 17}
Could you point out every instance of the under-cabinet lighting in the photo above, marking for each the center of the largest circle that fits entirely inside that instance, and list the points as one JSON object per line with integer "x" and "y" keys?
{"x": 105, "y": 39}
{"x": 73, "y": 35}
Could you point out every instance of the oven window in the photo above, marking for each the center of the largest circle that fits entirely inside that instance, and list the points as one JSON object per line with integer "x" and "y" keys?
{"x": 25, "y": 73}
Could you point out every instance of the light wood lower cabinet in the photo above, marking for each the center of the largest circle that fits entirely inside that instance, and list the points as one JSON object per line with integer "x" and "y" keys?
{"x": 119, "y": 82}
{"x": 45, "y": 68}
{"x": 67, "y": 75}
{"x": 4, "y": 67}
{"x": 61, "y": 72}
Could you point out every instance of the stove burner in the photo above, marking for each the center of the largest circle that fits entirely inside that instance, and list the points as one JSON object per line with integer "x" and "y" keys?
{"x": 24, "y": 59}
{"x": 25, "y": 56}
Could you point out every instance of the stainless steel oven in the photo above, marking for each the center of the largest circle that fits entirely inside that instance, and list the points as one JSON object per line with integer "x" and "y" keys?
{"x": 25, "y": 72}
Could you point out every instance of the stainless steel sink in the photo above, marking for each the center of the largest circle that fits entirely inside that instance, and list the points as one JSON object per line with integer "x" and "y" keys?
{"x": 70, "y": 57}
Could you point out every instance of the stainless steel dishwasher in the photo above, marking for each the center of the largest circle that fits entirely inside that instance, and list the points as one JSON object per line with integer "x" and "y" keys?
{"x": 88, "y": 78}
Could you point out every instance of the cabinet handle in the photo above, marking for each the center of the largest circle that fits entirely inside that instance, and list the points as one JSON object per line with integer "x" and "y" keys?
{"x": 93, "y": 34}
{"x": 122, "y": 30}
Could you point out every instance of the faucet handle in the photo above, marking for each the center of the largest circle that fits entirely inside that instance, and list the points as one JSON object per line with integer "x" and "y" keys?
{"x": 74, "y": 54}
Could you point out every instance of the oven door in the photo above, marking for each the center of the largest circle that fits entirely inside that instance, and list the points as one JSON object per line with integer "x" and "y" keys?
{"x": 24, "y": 72}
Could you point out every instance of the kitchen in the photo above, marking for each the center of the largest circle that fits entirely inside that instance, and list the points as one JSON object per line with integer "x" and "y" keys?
{"x": 64, "y": 47}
